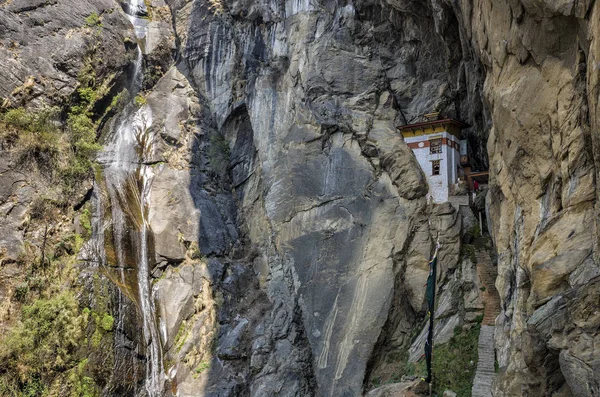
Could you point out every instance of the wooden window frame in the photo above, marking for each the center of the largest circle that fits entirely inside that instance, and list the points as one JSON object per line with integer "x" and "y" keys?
{"x": 435, "y": 146}
{"x": 436, "y": 167}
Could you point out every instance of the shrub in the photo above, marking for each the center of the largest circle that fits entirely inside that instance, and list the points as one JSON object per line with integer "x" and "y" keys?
{"x": 85, "y": 219}
{"x": 80, "y": 384}
{"x": 64, "y": 153}
{"x": 218, "y": 154}
{"x": 9, "y": 388}
{"x": 203, "y": 366}
{"x": 468, "y": 251}
{"x": 37, "y": 139}
{"x": 21, "y": 292}
{"x": 33, "y": 387}
{"x": 18, "y": 118}
{"x": 46, "y": 338}
{"x": 42, "y": 208}
{"x": 80, "y": 160}
{"x": 107, "y": 322}
{"x": 93, "y": 20}
{"x": 82, "y": 135}
{"x": 140, "y": 100}
{"x": 455, "y": 363}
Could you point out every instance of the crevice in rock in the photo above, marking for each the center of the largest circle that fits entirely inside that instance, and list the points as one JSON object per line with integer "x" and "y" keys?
{"x": 87, "y": 197}
{"x": 394, "y": 339}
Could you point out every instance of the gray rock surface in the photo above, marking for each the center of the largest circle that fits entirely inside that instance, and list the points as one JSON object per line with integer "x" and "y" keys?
{"x": 329, "y": 193}
{"x": 405, "y": 389}
{"x": 289, "y": 218}
{"x": 44, "y": 45}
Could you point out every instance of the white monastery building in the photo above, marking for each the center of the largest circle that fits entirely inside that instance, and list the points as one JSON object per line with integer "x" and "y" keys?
{"x": 436, "y": 144}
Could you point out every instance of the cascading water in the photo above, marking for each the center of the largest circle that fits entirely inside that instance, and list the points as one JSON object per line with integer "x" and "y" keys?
{"x": 135, "y": 10}
{"x": 125, "y": 232}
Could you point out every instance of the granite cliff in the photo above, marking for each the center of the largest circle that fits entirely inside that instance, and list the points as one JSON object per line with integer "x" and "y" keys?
{"x": 253, "y": 222}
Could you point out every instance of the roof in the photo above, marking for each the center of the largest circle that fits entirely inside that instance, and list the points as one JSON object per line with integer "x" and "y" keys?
{"x": 457, "y": 123}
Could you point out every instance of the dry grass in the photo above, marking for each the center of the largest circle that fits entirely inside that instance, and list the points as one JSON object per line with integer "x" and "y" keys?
{"x": 217, "y": 6}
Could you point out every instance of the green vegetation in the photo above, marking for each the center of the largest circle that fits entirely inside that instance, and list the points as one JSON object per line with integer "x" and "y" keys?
{"x": 181, "y": 337}
{"x": 43, "y": 352}
{"x": 193, "y": 251}
{"x": 35, "y": 136}
{"x": 203, "y": 366}
{"x": 85, "y": 220}
{"x": 64, "y": 155}
{"x": 107, "y": 322}
{"x": 468, "y": 251}
{"x": 140, "y": 100}
{"x": 21, "y": 292}
{"x": 55, "y": 345}
{"x": 118, "y": 102}
{"x": 61, "y": 142}
{"x": 31, "y": 388}
{"x": 104, "y": 323}
{"x": 475, "y": 231}
{"x": 218, "y": 154}
{"x": 46, "y": 338}
{"x": 80, "y": 384}
{"x": 93, "y": 20}
{"x": 455, "y": 363}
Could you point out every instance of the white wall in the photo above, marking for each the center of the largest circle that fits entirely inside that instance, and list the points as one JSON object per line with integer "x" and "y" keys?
{"x": 439, "y": 185}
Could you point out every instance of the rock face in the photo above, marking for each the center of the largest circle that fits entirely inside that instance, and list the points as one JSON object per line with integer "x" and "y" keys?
{"x": 543, "y": 98}
{"x": 331, "y": 198}
{"x": 45, "y": 44}
{"x": 278, "y": 63}
{"x": 289, "y": 220}
{"x": 407, "y": 389}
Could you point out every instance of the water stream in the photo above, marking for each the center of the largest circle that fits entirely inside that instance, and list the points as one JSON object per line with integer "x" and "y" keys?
{"x": 125, "y": 235}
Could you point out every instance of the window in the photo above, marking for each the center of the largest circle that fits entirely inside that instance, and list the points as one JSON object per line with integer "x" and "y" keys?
{"x": 435, "y": 146}
{"x": 435, "y": 167}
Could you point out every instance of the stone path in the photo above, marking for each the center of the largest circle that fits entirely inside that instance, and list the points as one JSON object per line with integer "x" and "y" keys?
{"x": 485, "y": 374}
{"x": 482, "y": 384}
{"x": 487, "y": 275}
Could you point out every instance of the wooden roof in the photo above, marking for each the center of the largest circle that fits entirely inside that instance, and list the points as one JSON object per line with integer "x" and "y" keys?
{"x": 412, "y": 127}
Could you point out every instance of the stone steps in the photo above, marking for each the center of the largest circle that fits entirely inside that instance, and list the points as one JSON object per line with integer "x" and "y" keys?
{"x": 486, "y": 372}
{"x": 487, "y": 274}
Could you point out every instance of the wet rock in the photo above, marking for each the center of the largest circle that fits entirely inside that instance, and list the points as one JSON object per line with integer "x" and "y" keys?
{"x": 176, "y": 304}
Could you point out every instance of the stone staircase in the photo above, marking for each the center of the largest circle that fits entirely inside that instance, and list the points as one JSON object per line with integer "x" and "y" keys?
{"x": 485, "y": 374}
{"x": 487, "y": 275}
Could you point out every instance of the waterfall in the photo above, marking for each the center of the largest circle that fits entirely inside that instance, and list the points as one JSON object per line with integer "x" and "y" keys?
{"x": 125, "y": 184}
{"x": 135, "y": 10}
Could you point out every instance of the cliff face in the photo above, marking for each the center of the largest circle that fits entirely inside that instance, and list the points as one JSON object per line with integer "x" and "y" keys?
{"x": 288, "y": 231}
{"x": 349, "y": 69}
{"x": 542, "y": 88}
{"x": 308, "y": 96}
